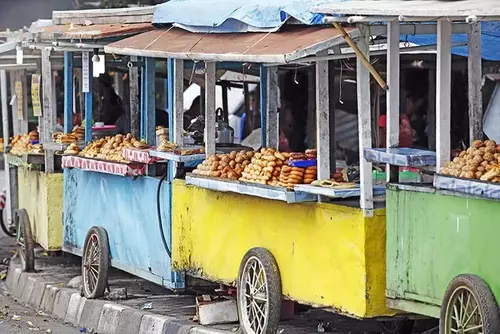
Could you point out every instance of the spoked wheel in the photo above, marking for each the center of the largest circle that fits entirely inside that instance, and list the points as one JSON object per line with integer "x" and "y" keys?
{"x": 397, "y": 326}
{"x": 25, "y": 240}
{"x": 95, "y": 263}
{"x": 259, "y": 292}
{"x": 469, "y": 307}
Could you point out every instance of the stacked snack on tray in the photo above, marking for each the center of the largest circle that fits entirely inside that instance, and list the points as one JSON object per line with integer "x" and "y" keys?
{"x": 481, "y": 161}
{"x": 310, "y": 154}
{"x": 2, "y": 146}
{"x": 110, "y": 148}
{"x": 72, "y": 149}
{"x": 265, "y": 167}
{"x": 341, "y": 180}
{"x": 21, "y": 144}
{"x": 77, "y": 135}
{"x": 226, "y": 166}
{"x": 166, "y": 146}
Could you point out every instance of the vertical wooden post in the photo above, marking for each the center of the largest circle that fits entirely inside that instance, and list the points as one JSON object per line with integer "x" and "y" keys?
{"x": 443, "y": 93}
{"x": 12, "y": 75}
{"x": 178, "y": 103}
{"x": 133, "y": 73}
{"x": 312, "y": 106}
{"x": 263, "y": 105}
{"x": 143, "y": 94}
{"x": 88, "y": 103}
{"x": 323, "y": 119}
{"x": 24, "y": 121}
{"x": 149, "y": 101}
{"x": 68, "y": 92}
{"x": 393, "y": 81}
{"x": 5, "y": 124}
{"x": 272, "y": 124}
{"x": 431, "y": 110}
{"x": 475, "y": 77}
{"x": 48, "y": 108}
{"x": 364, "y": 122}
{"x": 210, "y": 82}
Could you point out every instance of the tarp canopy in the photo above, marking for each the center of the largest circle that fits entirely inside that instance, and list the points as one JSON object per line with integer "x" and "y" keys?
{"x": 288, "y": 44}
{"x": 236, "y": 15}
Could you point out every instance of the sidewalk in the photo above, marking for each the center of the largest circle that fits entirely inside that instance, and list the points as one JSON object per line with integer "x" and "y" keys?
{"x": 148, "y": 309}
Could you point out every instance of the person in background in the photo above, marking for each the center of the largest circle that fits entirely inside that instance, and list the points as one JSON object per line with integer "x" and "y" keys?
{"x": 112, "y": 111}
{"x": 405, "y": 129}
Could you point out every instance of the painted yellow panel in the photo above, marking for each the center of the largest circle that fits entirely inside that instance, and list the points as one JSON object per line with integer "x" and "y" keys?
{"x": 322, "y": 250}
{"x": 42, "y": 196}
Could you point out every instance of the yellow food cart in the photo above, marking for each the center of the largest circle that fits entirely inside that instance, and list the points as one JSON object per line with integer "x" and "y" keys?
{"x": 270, "y": 242}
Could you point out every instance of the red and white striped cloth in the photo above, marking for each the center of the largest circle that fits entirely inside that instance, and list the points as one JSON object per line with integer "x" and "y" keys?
{"x": 106, "y": 167}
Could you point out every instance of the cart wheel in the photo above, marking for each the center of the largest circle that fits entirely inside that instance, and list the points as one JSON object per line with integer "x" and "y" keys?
{"x": 259, "y": 292}
{"x": 397, "y": 326}
{"x": 25, "y": 240}
{"x": 95, "y": 263}
{"x": 469, "y": 307}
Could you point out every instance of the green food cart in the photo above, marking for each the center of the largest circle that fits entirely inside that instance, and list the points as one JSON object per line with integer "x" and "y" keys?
{"x": 441, "y": 235}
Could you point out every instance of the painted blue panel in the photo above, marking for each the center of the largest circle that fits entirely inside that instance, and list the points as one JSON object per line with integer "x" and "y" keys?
{"x": 126, "y": 209}
{"x": 402, "y": 156}
{"x": 68, "y": 92}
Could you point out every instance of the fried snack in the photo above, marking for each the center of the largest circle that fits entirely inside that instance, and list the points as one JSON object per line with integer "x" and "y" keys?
{"x": 227, "y": 166}
{"x": 111, "y": 148}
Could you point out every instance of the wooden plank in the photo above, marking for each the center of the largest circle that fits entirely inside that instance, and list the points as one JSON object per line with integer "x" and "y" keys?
{"x": 475, "y": 83}
{"x": 48, "y": 117}
{"x": 393, "y": 81}
{"x": 311, "y": 107}
{"x": 210, "y": 82}
{"x": 443, "y": 93}
{"x": 323, "y": 119}
{"x": 134, "y": 97}
{"x": 68, "y": 92}
{"x": 364, "y": 122}
{"x": 272, "y": 124}
{"x": 178, "y": 101}
{"x": 124, "y": 19}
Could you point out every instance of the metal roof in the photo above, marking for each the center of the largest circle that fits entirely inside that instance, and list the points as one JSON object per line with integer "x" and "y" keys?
{"x": 280, "y": 47}
{"x": 87, "y": 32}
{"x": 433, "y": 9}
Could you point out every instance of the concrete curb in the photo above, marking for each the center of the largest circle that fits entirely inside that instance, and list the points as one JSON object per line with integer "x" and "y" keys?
{"x": 102, "y": 316}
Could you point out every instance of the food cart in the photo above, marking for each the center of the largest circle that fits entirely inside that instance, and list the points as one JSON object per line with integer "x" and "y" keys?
{"x": 34, "y": 190}
{"x": 269, "y": 241}
{"x": 440, "y": 236}
{"x": 116, "y": 204}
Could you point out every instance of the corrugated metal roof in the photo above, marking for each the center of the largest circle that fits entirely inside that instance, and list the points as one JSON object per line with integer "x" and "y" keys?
{"x": 280, "y": 47}
{"x": 433, "y": 9}
{"x": 97, "y": 31}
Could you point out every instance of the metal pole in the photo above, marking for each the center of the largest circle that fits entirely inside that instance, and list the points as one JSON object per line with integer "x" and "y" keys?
{"x": 68, "y": 92}
{"x": 5, "y": 124}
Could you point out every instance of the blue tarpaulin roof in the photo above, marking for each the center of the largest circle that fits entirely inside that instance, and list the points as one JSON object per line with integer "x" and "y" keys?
{"x": 236, "y": 15}
{"x": 490, "y": 41}
{"x": 230, "y": 16}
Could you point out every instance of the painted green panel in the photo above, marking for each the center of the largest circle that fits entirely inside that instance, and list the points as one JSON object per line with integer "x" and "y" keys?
{"x": 433, "y": 237}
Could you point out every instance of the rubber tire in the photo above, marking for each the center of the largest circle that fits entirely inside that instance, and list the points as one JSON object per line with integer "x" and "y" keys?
{"x": 4, "y": 228}
{"x": 405, "y": 327}
{"x": 104, "y": 262}
{"x": 28, "y": 256}
{"x": 274, "y": 287}
{"x": 481, "y": 291}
